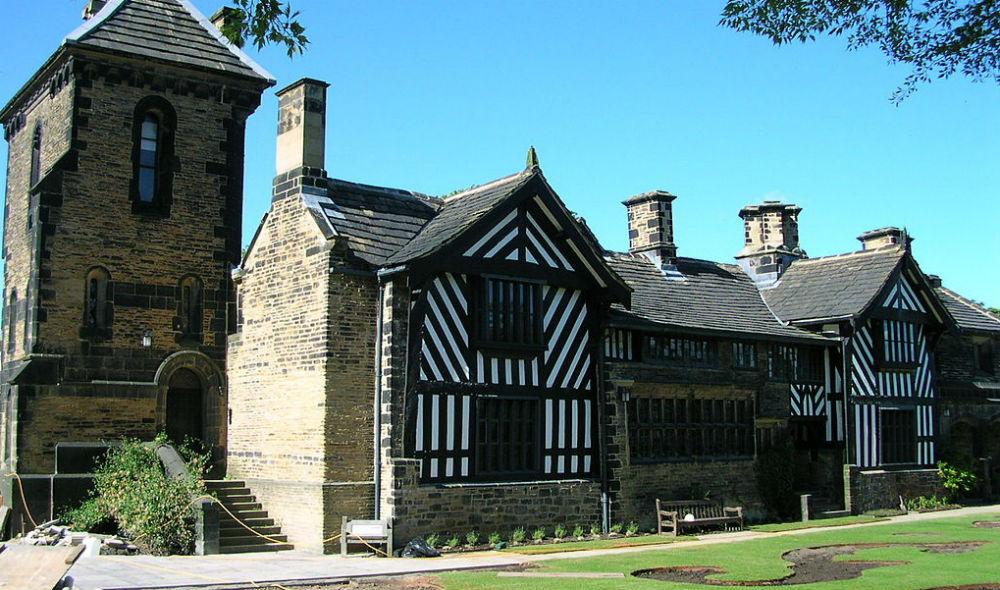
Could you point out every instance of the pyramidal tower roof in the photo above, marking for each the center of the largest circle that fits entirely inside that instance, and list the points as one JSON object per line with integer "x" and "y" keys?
{"x": 165, "y": 30}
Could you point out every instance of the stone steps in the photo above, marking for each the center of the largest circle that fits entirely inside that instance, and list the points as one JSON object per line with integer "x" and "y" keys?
{"x": 234, "y": 538}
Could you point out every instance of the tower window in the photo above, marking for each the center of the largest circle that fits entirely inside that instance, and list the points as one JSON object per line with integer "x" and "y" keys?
{"x": 148, "y": 164}
{"x": 189, "y": 319}
{"x": 153, "y": 155}
{"x": 11, "y": 321}
{"x": 97, "y": 312}
{"x": 36, "y": 156}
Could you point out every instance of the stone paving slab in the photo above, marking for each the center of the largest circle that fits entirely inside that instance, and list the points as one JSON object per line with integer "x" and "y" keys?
{"x": 147, "y": 572}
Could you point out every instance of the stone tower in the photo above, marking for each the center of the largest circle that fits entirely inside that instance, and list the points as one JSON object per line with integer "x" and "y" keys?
{"x": 123, "y": 220}
{"x": 771, "y": 240}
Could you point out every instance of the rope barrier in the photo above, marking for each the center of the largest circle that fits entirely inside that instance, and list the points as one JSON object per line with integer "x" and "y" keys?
{"x": 271, "y": 540}
{"x": 24, "y": 501}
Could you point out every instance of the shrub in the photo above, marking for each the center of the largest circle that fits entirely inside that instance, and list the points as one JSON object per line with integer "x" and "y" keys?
{"x": 90, "y": 516}
{"x": 632, "y": 528}
{"x": 472, "y": 537}
{"x": 538, "y": 534}
{"x": 616, "y": 528}
{"x": 922, "y": 503}
{"x": 956, "y": 480}
{"x": 595, "y": 529}
{"x": 433, "y": 540}
{"x": 452, "y": 541}
{"x": 495, "y": 538}
{"x": 559, "y": 532}
{"x": 519, "y": 535}
{"x": 578, "y": 531}
{"x": 776, "y": 481}
{"x": 149, "y": 506}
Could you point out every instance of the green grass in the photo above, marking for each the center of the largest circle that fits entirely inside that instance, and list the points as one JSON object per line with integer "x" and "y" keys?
{"x": 760, "y": 559}
{"x": 812, "y": 524}
{"x": 595, "y": 544}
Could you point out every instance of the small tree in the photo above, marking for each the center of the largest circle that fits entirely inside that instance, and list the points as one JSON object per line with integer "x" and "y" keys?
{"x": 956, "y": 480}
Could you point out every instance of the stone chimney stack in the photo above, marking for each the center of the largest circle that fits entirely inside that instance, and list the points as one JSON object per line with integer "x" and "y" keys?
{"x": 771, "y": 240}
{"x": 92, "y": 8}
{"x": 223, "y": 17}
{"x": 302, "y": 126}
{"x": 886, "y": 237}
{"x": 651, "y": 227}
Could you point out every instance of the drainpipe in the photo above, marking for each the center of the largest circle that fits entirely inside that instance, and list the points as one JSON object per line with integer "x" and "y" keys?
{"x": 377, "y": 416}
{"x": 601, "y": 430}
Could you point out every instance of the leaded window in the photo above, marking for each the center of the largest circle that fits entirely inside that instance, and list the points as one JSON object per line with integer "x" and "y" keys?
{"x": 506, "y": 436}
{"x": 510, "y": 313}
{"x": 685, "y": 351}
{"x": 681, "y": 428}
{"x": 898, "y": 343}
{"x": 36, "y": 156}
{"x": 149, "y": 148}
{"x": 898, "y": 436}
{"x": 745, "y": 355}
{"x": 190, "y": 310}
{"x": 97, "y": 314}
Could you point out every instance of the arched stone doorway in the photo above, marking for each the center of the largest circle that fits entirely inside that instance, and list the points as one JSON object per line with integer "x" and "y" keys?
{"x": 191, "y": 398}
{"x": 185, "y": 419}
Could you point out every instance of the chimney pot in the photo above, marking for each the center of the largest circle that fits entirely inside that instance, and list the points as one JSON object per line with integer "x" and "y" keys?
{"x": 302, "y": 126}
{"x": 223, "y": 17}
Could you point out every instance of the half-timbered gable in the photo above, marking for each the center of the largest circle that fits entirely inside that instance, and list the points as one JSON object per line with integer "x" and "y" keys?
{"x": 881, "y": 301}
{"x": 507, "y": 297}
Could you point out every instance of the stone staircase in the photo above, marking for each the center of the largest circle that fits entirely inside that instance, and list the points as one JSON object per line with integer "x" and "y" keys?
{"x": 233, "y": 538}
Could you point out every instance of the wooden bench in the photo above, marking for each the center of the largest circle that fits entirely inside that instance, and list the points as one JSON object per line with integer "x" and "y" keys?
{"x": 672, "y": 516}
{"x": 369, "y": 533}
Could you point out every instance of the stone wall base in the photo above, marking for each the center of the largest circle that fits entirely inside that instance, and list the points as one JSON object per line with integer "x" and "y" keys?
{"x": 491, "y": 507}
{"x": 309, "y": 512}
{"x": 729, "y": 482}
{"x": 878, "y": 489}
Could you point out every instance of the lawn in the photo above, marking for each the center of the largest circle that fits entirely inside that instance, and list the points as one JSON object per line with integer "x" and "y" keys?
{"x": 760, "y": 559}
{"x": 596, "y": 544}
{"x": 812, "y": 524}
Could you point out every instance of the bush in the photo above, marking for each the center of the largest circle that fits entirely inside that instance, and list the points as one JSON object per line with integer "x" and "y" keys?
{"x": 956, "y": 480}
{"x": 924, "y": 503}
{"x": 595, "y": 529}
{"x": 632, "y": 528}
{"x": 616, "y": 528}
{"x": 578, "y": 531}
{"x": 519, "y": 535}
{"x": 150, "y": 507}
{"x": 776, "y": 481}
{"x": 538, "y": 534}
{"x": 452, "y": 541}
{"x": 91, "y": 517}
{"x": 495, "y": 538}
{"x": 559, "y": 532}
{"x": 433, "y": 539}
{"x": 472, "y": 538}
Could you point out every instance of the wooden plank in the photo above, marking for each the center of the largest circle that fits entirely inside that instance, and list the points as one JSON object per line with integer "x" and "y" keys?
{"x": 27, "y": 567}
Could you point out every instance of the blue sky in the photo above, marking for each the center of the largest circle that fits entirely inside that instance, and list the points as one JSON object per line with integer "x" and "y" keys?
{"x": 620, "y": 98}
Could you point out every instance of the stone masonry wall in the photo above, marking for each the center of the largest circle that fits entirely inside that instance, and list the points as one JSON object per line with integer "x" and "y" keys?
{"x": 486, "y": 508}
{"x": 881, "y": 489}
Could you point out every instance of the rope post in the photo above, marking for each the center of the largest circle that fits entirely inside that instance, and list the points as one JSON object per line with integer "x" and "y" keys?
{"x": 206, "y": 528}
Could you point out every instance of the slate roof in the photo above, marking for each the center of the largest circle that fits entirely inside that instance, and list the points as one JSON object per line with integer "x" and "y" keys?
{"x": 711, "y": 297}
{"x": 832, "y": 286}
{"x": 458, "y": 213}
{"x": 376, "y": 221}
{"x": 166, "y": 30}
{"x": 968, "y": 314}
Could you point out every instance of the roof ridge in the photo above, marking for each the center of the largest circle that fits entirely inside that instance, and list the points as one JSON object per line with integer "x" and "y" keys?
{"x": 900, "y": 251}
{"x": 388, "y": 190}
{"x": 114, "y": 6}
{"x": 970, "y": 303}
{"x": 491, "y": 184}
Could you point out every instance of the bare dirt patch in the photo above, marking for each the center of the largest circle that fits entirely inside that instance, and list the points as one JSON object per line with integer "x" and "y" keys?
{"x": 987, "y": 524}
{"x": 809, "y": 565}
{"x": 969, "y": 587}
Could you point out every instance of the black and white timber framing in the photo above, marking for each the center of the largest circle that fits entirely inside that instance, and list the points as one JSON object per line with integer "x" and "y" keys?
{"x": 521, "y": 405}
